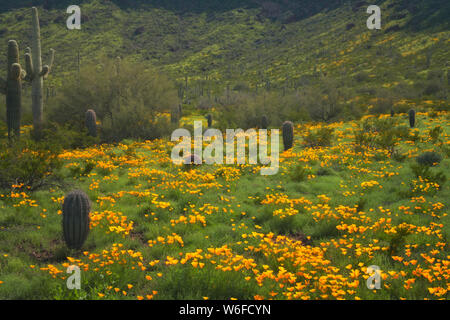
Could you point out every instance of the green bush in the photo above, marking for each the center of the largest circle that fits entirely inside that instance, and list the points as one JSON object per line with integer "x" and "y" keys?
{"x": 129, "y": 99}
{"x": 435, "y": 133}
{"x": 428, "y": 174}
{"x": 429, "y": 159}
{"x": 27, "y": 163}
{"x": 299, "y": 173}
{"x": 318, "y": 138}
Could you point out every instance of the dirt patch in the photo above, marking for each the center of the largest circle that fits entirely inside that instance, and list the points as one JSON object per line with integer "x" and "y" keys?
{"x": 41, "y": 254}
{"x": 300, "y": 236}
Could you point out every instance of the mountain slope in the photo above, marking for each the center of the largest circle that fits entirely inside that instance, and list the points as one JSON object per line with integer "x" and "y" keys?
{"x": 270, "y": 44}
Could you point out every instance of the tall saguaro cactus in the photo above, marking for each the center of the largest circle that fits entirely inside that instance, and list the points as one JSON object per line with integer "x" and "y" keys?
{"x": 12, "y": 88}
{"x": 36, "y": 73}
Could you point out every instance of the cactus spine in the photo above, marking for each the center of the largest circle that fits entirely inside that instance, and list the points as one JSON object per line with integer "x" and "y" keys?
{"x": 36, "y": 73}
{"x": 412, "y": 118}
{"x": 76, "y": 208}
{"x": 264, "y": 122}
{"x": 91, "y": 122}
{"x": 12, "y": 88}
{"x": 288, "y": 135}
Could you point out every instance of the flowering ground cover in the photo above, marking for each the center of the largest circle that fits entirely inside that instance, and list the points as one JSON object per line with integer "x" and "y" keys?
{"x": 162, "y": 231}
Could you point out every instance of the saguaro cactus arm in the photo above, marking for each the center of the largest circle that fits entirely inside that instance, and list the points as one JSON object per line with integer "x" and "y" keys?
{"x": 48, "y": 67}
{"x": 29, "y": 65}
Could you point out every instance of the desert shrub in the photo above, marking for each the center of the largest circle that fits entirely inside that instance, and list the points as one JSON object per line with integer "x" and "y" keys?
{"x": 381, "y": 133}
{"x": 432, "y": 88}
{"x": 435, "y": 133}
{"x": 299, "y": 173}
{"x": 135, "y": 125}
{"x": 244, "y": 110}
{"x": 127, "y": 97}
{"x": 321, "y": 137}
{"x": 323, "y": 171}
{"x": 361, "y": 76}
{"x": 325, "y": 102}
{"x": 67, "y": 137}
{"x": 204, "y": 104}
{"x": 425, "y": 172}
{"x": 382, "y": 106}
{"x": 28, "y": 164}
{"x": 429, "y": 159}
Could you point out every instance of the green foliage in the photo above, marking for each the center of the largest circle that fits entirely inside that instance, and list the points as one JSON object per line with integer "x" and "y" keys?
{"x": 129, "y": 103}
{"x": 435, "y": 133}
{"x": 429, "y": 159}
{"x": 64, "y": 136}
{"x": 321, "y": 137}
{"x": 383, "y": 133}
{"x": 75, "y": 210}
{"x": 32, "y": 165}
{"x": 425, "y": 172}
{"x": 299, "y": 173}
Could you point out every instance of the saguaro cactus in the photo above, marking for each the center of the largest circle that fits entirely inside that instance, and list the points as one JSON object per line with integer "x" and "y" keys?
{"x": 209, "y": 119}
{"x": 412, "y": 118}
{"x": 76, "y": 208}
{"x": 12, "y": 88}
{"x": 288, "y": 135}
{"x": 91, "y": 122}
{"x": 36, "y": 73}
{"x": 264, "y": 122}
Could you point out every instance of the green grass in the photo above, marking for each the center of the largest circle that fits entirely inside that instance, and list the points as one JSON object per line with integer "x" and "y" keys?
{"x": 31, "y": 236}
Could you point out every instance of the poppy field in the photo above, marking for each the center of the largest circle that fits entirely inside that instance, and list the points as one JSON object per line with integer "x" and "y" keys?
{"x": 341, "y": 202}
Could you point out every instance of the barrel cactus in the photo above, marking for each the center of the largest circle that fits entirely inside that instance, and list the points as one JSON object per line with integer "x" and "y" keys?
{"x": 288, "y": 135}
{"x": 91, "y": 122}
{"x": 76, "y": 208}
{"x": 209, "y": 119}
{"x": 264, "y": 122}
{"x": 412, "y": 118}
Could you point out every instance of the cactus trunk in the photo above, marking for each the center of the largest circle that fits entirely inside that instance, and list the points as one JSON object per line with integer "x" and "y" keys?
{"x": 12, "y": 88}
{"x": 91, "y": 122}
{"x": 36, "y": 74}
{"x": 412, "y": 118}
{"x": 288, "y": 135}
{"x": 76, "y": 208}
{"x": 264, "y": 122}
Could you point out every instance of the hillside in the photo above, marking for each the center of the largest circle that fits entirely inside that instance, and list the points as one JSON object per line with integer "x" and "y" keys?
{"x": 270, "y": 45}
